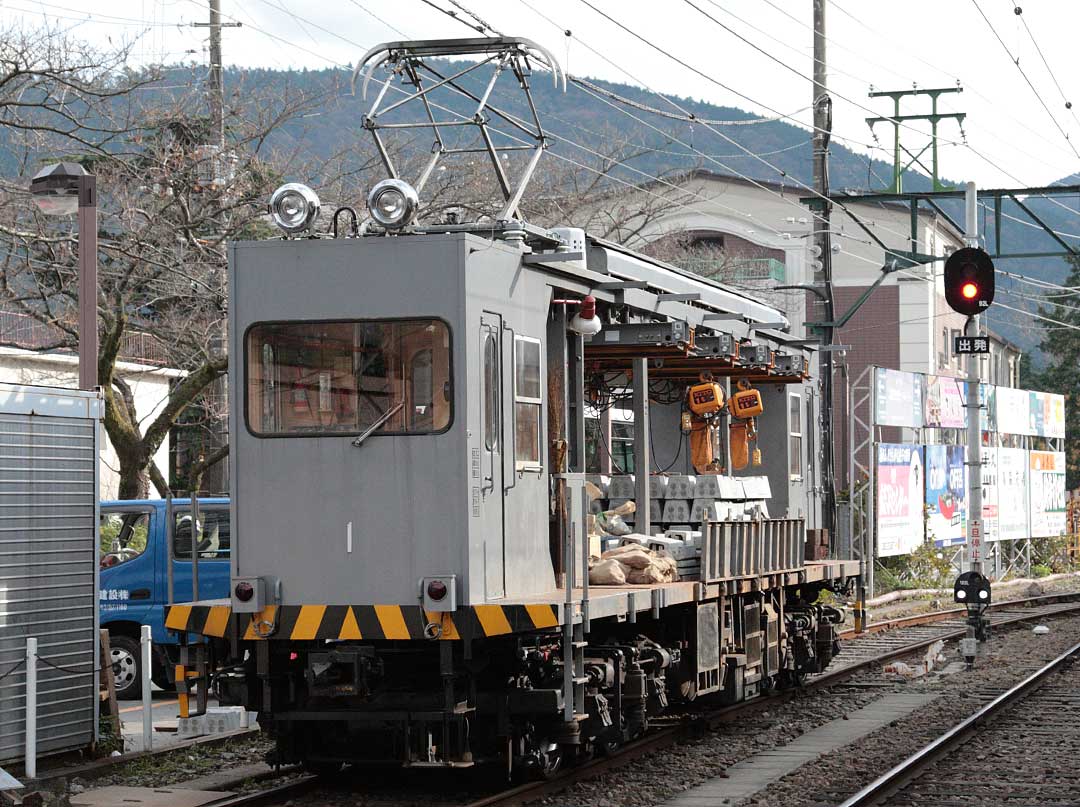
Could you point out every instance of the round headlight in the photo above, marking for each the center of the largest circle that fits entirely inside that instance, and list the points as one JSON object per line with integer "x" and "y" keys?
{"x": 294, "y": 207}
{"x": 393, "y": 203}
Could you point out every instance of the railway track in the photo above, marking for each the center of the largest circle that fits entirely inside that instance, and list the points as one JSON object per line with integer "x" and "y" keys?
{"x": 881, "y": 642}
{"x": 1043, "y": 708}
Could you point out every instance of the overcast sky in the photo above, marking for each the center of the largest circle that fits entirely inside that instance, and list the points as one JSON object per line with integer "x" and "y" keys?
{"x": 934, "y": 43}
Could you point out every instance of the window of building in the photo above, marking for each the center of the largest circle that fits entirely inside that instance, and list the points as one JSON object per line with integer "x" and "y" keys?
{"x": 214, "y": 536}
{"x": 123, "y": 537}
{"x": 318, "y": 378}
{"x": 795, "y": 436}
{"x": 528, "y": 402}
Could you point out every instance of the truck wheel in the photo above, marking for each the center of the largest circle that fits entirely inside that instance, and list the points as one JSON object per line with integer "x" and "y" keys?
{"x": 127, "y": 676}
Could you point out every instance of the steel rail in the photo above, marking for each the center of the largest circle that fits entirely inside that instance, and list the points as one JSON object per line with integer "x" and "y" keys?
{"x": 695, "y": 725}
{"x": 893, "y": 780}
{"x": 270, "y": 795}
{"x": 951, "y": 613}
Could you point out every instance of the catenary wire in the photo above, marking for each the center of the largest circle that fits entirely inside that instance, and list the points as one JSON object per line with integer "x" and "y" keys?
{"x": 1023, "y": 73}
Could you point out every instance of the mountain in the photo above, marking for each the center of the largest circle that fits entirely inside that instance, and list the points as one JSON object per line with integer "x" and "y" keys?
{"x": 657, "y": 142}
{"x": 661, "y": 144}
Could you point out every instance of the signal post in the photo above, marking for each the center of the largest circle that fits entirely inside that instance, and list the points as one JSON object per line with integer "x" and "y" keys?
{"x": 969, "y": 290}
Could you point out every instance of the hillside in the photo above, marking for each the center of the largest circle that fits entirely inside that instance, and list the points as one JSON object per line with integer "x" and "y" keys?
{"x": 659, "y": 145}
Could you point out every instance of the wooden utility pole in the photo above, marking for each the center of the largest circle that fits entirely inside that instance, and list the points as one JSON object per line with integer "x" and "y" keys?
{"x": 822, "y": 250}
{"x": 217, "y": 72}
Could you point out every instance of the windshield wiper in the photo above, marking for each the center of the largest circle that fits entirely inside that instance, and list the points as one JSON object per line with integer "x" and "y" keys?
{"x": 385, "y": 416}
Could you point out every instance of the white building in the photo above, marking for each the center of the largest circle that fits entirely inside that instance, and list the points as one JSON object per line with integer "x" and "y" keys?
{"x": 149, "y": 386}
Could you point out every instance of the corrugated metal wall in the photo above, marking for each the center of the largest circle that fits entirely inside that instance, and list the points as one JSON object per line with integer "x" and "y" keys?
{"x": 48, "y": 512}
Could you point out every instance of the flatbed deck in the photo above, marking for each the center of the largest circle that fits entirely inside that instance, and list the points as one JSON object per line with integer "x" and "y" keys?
{"x": 540, "y": 611}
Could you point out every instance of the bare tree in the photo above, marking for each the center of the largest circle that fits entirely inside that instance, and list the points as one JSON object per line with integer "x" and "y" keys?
{"x": 170, "y": 200}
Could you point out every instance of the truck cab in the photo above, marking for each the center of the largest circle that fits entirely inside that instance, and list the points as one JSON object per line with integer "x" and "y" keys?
{"x": 134, "y": 577}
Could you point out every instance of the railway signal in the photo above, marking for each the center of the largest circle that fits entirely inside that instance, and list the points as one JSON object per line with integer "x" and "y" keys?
{"x": 969, "y": 281}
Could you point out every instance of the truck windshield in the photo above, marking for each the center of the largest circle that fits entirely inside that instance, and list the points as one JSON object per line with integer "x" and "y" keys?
{"x": 322, "y": 378}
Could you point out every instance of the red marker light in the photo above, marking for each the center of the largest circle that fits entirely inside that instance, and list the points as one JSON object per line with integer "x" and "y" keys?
{"x": 244, "y": 591}
{"x": 436, "y": 590}
{"x": 969, "y": 290}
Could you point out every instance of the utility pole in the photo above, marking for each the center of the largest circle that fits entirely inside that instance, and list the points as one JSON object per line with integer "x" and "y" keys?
{"x": 217, "y": 72}
{"x": 822, "y": 249}
{"x": 897, "y": 120}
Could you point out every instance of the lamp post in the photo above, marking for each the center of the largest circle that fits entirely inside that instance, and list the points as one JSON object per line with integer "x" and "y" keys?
{"x": 61, "y": 189}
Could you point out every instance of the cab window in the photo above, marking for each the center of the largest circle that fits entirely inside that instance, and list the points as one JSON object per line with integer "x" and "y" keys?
{"x": 123, "y": 537}
{"x": 214, "y": 538}
{"x": 323, "y": 378}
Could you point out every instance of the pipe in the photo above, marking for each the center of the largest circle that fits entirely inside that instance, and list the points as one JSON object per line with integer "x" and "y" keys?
{"x": 30, "y": 764}
{"x": 145, "y": 647}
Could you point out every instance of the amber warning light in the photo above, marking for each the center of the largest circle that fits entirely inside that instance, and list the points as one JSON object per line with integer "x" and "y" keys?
{"x": 970, "y": 291}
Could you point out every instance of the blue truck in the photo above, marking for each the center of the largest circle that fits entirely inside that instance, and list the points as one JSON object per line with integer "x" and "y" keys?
{"x": 133, "y": 589}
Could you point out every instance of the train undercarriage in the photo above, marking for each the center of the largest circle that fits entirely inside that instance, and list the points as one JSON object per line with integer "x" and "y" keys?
{"x": 502, "y": 700}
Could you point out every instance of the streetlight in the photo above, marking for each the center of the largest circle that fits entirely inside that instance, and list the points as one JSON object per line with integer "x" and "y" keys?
{"x": 61, "y": 189}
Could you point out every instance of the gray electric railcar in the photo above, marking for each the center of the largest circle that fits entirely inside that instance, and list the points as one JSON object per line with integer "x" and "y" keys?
{"x": 410, "y": 513}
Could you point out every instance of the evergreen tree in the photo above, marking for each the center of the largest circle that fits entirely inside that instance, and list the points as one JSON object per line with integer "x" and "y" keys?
{"x": 1061, "y": 347}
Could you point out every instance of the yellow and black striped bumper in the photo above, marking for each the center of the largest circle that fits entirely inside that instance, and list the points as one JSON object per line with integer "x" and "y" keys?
{"x": 366, "y": 622}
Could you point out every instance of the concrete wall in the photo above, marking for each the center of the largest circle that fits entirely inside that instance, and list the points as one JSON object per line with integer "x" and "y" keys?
{"x": 149, "y": 385}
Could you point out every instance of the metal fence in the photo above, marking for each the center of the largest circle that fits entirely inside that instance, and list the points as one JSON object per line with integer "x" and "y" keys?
{"x": 28, "y": 333}
{"x": 733, "y": 549}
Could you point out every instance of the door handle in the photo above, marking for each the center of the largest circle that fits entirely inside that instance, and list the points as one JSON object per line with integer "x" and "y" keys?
{"x": 140, "y": 594}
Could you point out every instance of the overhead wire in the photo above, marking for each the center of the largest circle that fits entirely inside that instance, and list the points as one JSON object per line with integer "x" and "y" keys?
{"x": 725, "y": 137}
{"x": 581, "y": 165}
{"x": 974, "y": 90}
{"x": 968, "y": 87}
{"x": 1015, "y": 60}
{"x": 1038, "y": 49}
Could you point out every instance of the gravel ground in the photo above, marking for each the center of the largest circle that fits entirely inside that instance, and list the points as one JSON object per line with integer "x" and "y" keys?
{"x": 837, "y": 774}
{"x": 186, "y": 763}
{"x": 658, "y": 778}
{"x": 1006, "y": 760}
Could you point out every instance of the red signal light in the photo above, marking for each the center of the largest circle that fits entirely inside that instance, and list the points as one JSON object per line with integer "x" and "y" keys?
{"x": 970, "y": 291}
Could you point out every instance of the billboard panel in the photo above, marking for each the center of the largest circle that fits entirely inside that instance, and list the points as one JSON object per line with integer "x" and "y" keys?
{"x": 1012, "y": 411}
{"x": 1036, "y": 413}
{"x": 1055, "y": 415}
{"x": 988, "y": 407}
{"x": 1047, "y": 488}
{"x": 897, "y": 398}
{"x": 990, "y": 511}
{"x": 945, "y": 494}
{"x": 899, "y": 499}
{"x": 945, "y": 402}
{"x": 1012, "y": 495}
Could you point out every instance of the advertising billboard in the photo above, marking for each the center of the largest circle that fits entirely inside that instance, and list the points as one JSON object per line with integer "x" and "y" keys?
{"x": 1012, "y": 410}
{"x": 1046, "y": 414}
{"x": 990, "y": 511}
{"x": 1012, "y": 495}
{"x": 945, "y": 402}
{"x": 1046, "y": 484}
{"x": 945, "y": 494}
{"x": 898, "y": 398}
{"x": 900, "y": 479}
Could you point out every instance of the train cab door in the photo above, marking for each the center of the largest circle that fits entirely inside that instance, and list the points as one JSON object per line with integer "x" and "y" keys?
{"x": 492, "y": 415}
